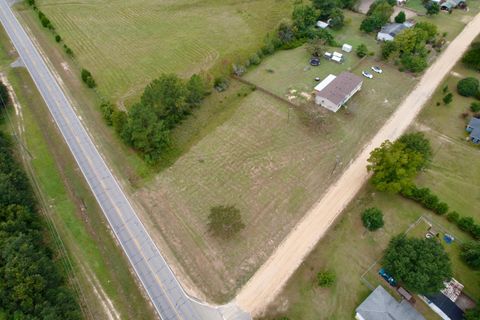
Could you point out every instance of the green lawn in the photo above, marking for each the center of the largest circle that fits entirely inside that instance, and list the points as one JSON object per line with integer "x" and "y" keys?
{"x": 126, "y": 44}
{"x": 99, "y": 267}
{"x": 349, "y": 249}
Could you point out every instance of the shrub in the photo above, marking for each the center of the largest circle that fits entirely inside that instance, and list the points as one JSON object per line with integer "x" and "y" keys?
{"x": 388, "y": 48}
{"x": 58, "y": 38}
{"x": 453, "y": 217}
{"x": 361, "y": 50}
{"x": 372, "y": 219}
{"x": 448, "y": 98}
{"x": 470, "y": 254}
{"x": 430, "y": 201}
{"x": 401, "y": 17}
{"x": 441, "y": 208}
{"x": 221, "y": 84}
{"x": 87, "y": 78}
{"x": 326, "y": 279}
{"x": 255, "y": 59}
{"x": 468, "y": 87}
{"x": 108, "y": 110}
{"x": 466, "y": 224}
{"x": 475, "y": 107}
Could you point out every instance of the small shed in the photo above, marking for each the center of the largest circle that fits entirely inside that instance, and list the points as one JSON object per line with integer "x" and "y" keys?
{"x": 446, "y": 6}
{"x": 347, "y": 48}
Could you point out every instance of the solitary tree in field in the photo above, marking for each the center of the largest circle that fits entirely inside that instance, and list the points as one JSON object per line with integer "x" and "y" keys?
{"x": 468, "y": 87}
{"x": 372, "y": 219}
{"x": 421, "y": 265}
{"x": 225, "y": 221}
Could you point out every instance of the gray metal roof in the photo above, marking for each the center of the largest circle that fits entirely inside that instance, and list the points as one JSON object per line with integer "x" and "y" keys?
{"x": 380, "y": 305}
{"x": 475, "y": 124}
{"x": 393, "y": 28}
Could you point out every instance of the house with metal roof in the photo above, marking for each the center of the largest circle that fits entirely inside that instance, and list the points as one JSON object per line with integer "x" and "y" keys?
{"x": 334, "y": 91}
{"x": 380, "y": 305}
{"x": 473, "y": 128}
{"x": 391, "y": 30}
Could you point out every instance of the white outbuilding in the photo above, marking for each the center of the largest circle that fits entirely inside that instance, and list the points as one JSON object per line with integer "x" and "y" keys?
{"x": 347, "y": 48}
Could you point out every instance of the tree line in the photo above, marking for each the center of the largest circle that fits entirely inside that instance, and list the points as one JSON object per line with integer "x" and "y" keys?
{"x": 31, "y": 284}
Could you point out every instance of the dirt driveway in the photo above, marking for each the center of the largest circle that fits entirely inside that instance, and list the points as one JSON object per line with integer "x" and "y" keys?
{"x": 269, "y": 280}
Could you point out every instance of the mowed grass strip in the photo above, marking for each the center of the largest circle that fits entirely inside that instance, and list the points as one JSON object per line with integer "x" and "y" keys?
{"x": 126, "y": 44}
{"x": 264, "y": 159}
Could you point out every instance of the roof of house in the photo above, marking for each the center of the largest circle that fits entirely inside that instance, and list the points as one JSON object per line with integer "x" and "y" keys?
{"x": 325, "y": 82}
{"x": 447, "y": 306}
{"x": 380, "y": 305}
{"x": 475, "y": 124}
{"x": 341, "y": 87}
{"x": 393, "y": 28}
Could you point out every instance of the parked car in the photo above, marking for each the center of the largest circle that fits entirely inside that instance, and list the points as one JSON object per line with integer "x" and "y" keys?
{"x": 315, "y": 61}
{"x": 377, "y": 69}
{"x": 391, "y": 281}
{"x": 317, "y": 78}
{"x": 367, "y": 75}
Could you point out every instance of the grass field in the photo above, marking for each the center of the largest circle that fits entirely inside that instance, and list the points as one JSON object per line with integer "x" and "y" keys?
{"x": 349, "y": 249}
{"x": 260, "y": 156}
{"x": 107, "y": 288}
{"x": 127, "y": 44}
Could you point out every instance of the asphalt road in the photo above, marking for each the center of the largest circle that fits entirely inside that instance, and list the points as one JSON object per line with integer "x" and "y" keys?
{"x": 161, "y": 285}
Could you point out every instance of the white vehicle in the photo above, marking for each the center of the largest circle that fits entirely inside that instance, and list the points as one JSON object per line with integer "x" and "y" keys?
{"x": 377, "y": 69}
{"x": 367, "y": 75}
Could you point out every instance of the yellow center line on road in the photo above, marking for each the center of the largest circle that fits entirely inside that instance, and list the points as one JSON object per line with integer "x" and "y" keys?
{"x": 114, "y": 205}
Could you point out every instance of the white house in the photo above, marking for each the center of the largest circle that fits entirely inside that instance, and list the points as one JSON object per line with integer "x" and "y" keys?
{"x": 333, "y": 92}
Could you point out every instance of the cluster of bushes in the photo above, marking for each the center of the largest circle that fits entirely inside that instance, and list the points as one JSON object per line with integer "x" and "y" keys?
{"x": 378, "y": 14}
{"x": 32, "y": 286}
{"x": 46, "y": 23}
{"x": 426, "y": 198}
{"x": 408, "y": 46}
{"x": 165, "y": 102}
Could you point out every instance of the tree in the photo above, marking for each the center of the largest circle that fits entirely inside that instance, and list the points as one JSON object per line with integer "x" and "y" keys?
{"x": 225, "y": 221}
{"x": 421, "y": 265}
{"x": 468, "y": 87}
{"x": 453, "y": 216}
{"x": 145, "y": 132}
{"x": 411, "y": 40}
{"x": 378, "y": 14}
{"x": 337, "y": 19}
{"x": 304, "y": 17}
{"x": 87, "y": 78}
{"x": 433, "y": 8}
{"x": 285, "y": 33}
{"x": 315, "y": 47}
{"x": 361, "y": 50}
{"x": 430, "y": 28}
{"x": 326, "y": 279}
{"x": 472, "y": 58}
{"x": 372, "y": 219}
{"x": 470, "y": 254}
{"x": 400, "y": 17}
{"x": 326, "y": 7}
{"x": 4, "y": 96}
{"x": 417, "y": 142}
{"x": 197, "y": 90}
{"x": 108, "y": 110}
{"x": 388, "y": 48}
{"x": 394, "y": 166}
{"x": 167, "y": 96}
